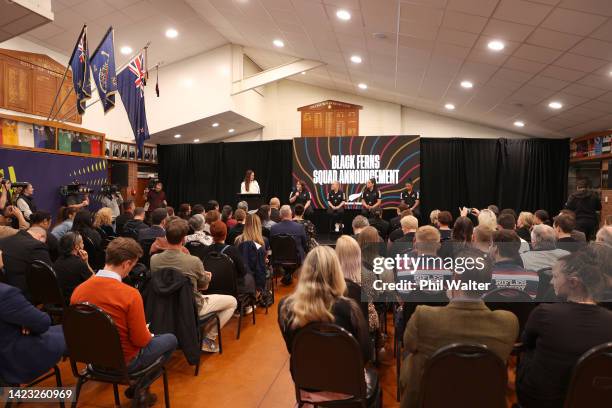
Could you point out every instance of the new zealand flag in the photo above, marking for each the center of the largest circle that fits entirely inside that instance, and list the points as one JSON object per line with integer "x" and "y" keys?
{"x": 131, "y": 88}
{"x": 79, "y": 62}
{"x": 103, "y": 67}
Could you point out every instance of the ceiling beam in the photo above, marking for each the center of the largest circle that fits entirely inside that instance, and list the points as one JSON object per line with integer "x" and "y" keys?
{"x": 274, "y": 74}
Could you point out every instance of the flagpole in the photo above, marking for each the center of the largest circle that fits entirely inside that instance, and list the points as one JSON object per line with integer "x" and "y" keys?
{"x": 66, "y": 73}
{"x": 63, "y": 102}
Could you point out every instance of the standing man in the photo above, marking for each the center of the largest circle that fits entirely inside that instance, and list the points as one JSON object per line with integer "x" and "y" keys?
{"x": 411, "y": 198}
{"x": 336, "y": 201}
{"x": 155, "y": 198}
{"x": 585, "y": 203}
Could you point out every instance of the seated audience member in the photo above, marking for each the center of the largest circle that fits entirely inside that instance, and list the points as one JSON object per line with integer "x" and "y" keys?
{"x": 349, "y": 254}
{"x": 433, "y": 218}
{"x": 240, "y": 216}
{"x": 218, "y": 232}
{"x": 494, "y": 209}
{"x": 9, "y": 214}
{"x": 557, "y": 334}
{"x": 72, "y": 267}
{"x": 395, "y": 222}
{"x": 132, "y": 227}
{"x": 404, "y": 245}
{"x": 487, "y": 219}
{"x": 93, "y": 240}
{"x": 604, "y": 235}
{"x": 184, "y": 211}
{"x": 578, "y": 236}
{"x": 288, "y": 227}
{"x": 103, "y": 223}
{"x": 319, "y": 297}
{"x": 227, "y": 216}
{"x": 161, "y": 243}
{"x": 210, "y": 217}
{"x": 463, "y": 229}
{"x": 603, "y": 256}
{"x": 275, "y": 209}
{"x": 508, "y": 211}
{"x": 309, "y": 227}
{"x": 507, "y": 222}
{"x": 192, "y": 267}
{"x": 253, "y": 247}
{"x": 377, "y": 221}
{"x": 42, "y": 219}
{"x": 466, "y": 319}
{"x": 196, "y": 224}
{"x": 541, "y": 217}
{"x": 359, "y": 223}
{"x": 243, "y": 205}
{"x": 124, "y": 305}
{"x": 445, "y": 220}
{"x": 169, "y": 211}
{"x": 29, "y": 345}
{"x": 524, "y": 224}
{"x": 157, "y": 228}
{"x": 482, "y": 239}
{"x": 398, "y": 233}
{"x": 264, "y": 216}
{"x": 197, "y": 209}
{"x": 211, "y": 205}
{"x": 544, "y": 252}
{"x": 372, "y": 249}
{"x": 564, "y": 224}
{"x": 19, "y": 251}
{"x": 508, "y": 271}
{"x": 128, "y": 213}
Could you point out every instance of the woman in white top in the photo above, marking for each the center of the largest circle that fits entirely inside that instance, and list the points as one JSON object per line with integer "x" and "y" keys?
{"x": 249, "y": 185}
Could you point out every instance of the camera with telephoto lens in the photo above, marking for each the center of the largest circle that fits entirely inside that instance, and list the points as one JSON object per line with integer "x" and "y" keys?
{"x": 19, "y": 184}
{"x": 109, "y": 189}
{"x": 152, "y": 183}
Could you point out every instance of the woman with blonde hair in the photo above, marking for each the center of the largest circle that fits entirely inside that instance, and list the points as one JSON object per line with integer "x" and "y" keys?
{"x": 487, "y": 219}
{"x": 319, "y": 297}
{"x": 253, "y": 248}
{"x": 524, "y": 224}
{"x": 103, "y": 222}
{"x": 349, "y": 255}
{"x": 433, "y": 218}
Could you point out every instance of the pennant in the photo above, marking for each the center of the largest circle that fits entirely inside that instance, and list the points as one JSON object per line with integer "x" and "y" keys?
{"x": 103, "y": 68}
{"x": 79, "y": 62}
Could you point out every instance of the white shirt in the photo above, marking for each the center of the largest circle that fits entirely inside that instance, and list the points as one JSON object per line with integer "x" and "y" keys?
{"x": 253, "y": 188}
{"x": 109, "y": 274}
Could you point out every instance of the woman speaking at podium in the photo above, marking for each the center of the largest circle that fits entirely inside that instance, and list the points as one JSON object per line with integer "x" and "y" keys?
{"x": 249, "y": 185}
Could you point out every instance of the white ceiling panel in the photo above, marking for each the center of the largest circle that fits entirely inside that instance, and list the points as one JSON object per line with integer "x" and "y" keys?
{"x": 573, "y": 22}
{"x": 477, "y": 7}
{"x": 580, "y": 62}
{"x": 539, "y": 54}
{"x": 506, "y": 30}
{"x": 524, "y": 65}
{"x": 464, "y": 22}
{"x": 521, "y": 11}
{"x": 602, "y": 7}
{"x": 553, "y": 39}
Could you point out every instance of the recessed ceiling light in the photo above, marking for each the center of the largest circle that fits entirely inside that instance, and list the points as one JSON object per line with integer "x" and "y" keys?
{"x": 278, "y": 43}
{"x": 362, "y": 86}
{"x": 215, "y": 124}
{"x": 496, "y": 45}
{"x": 519, "y": 123}
{"x": 555, "y": 105}
{"x": 231, "y": 130}
{"x": 171, "y": 33}
{"x": 449, "y": 106}
{"x": 177, "y": 136}
{"x": 303, "y": 72}
{"x": 343, "y": 15}
{"x": 356, "y": 59}
{"x": 196, "y": 140}
{"x": 467, "y": 84}
{"x": 125, "y": 50}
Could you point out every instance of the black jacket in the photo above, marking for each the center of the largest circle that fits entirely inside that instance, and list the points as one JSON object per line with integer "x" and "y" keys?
{"x": 18, "y": 253}
{"x": 170, "y": 308}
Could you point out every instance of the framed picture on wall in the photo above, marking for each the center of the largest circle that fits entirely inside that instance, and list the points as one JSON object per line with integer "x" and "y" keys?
{"x": 147, "y": 154}
{"x": 116, "y": 149}
{"x": 154, "y": 154}
{"x": 132, "y": 152}
{"x": 124, "y": 151}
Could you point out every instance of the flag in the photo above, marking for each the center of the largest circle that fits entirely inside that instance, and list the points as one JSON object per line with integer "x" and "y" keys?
{"x": 79, "y": 62}
{"x": 103, "y": 68}
{"x": 131, "y": 88}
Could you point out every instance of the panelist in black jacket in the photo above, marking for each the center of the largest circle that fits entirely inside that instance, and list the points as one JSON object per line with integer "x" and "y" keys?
{"x": 370, "y": 198}
{"x": 336, "y": 202}
{"x": 299, "y": 195}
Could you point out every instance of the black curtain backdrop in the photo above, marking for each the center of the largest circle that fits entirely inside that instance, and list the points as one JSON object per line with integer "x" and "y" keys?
{"x": 197, "y": 173}
{"x": 524, "y": 175}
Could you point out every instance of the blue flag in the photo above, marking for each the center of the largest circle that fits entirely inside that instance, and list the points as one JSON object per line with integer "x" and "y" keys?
{"x": 131, "y": 88}
{"x": 103, "y": 68}
{"x": 79, "y": 62}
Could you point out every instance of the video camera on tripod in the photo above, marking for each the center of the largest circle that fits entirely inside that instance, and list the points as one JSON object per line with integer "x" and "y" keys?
{"x": 73, "y": 194}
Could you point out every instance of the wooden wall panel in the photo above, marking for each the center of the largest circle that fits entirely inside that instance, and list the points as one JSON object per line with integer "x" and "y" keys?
{"x": 330, "y": 118}
{"x": 45, "y": 86}
{"x": 18, "y": 87}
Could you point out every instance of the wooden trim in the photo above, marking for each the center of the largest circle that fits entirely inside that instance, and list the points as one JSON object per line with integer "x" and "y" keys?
{"x": 591, "y": 135}
{"x": 114, "y": 159}
{"x": 51, "y": 123}
{"x": 50, "y": 151}
{"x": 336, "y": 105}
{"x": 601, "y": 157}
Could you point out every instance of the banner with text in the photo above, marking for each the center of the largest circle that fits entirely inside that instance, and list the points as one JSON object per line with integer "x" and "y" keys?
{"x": 352, "y": 160}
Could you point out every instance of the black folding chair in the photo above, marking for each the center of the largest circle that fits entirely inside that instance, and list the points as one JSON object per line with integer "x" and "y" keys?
{"x": 45, "y": 290}
{"x": 95, "y": 253}
{"x": 591, "y": 383}
{"x": 284, "y": 252}
{"x": 544, "y": 275}
{"x": 326, "y": 357}
{"x": 55, "y": 371}
{"x": 224, "y": 281}
{"x": 146, "y": 244}
{"x": 473, "y": 377}
{"x": 513, "y": 300}
{"x": 92, "y": 338}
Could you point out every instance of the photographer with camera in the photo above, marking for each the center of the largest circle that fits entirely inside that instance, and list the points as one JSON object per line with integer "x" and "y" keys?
{"x": 111, "y": 198}
{"x": 25, "y": 201}
{"x": 154, "y": 196}
{"x": 5, "y": 192}
{"x": 11, "y": 221}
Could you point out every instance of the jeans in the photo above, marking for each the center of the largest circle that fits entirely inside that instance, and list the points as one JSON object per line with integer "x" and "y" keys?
{"x": 224, "y": 305}
{"x": 160, "y": 345}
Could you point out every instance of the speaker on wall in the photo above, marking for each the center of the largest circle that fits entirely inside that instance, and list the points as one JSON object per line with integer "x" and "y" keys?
{"x": 119, "y": 174}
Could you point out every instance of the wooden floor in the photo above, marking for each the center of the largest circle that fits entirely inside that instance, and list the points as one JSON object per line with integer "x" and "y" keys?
{"x": 252, "y": 372}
